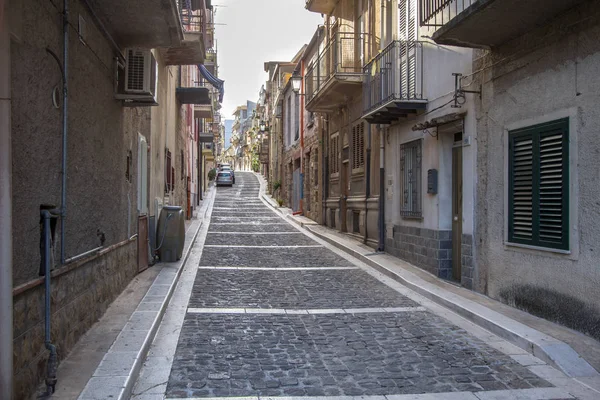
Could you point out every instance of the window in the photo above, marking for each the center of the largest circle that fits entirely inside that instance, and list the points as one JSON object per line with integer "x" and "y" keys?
{"x": 168, "y": 174}
{"x": 182, "y": 165}
{"x": 410, "y": 179}
{"x": 297, "y": 116}
{"x": 358, "y": 146}
{"x": 538, "y": 192}
{"x": 128, "y": 167}
{"x": 289, "y": 120}
{"x": 334, "y": 160}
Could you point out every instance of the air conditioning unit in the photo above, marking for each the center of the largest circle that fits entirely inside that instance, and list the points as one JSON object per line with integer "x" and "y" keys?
{"x": 137, "y": 79}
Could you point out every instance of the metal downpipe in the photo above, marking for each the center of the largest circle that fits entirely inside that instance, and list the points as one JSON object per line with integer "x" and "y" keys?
{"x": 6, "y": 248}
{"x": 368, "y": 181}
{"x": 381, "y": 222}
{"x": 52, "y": 357}
{"x": 65, "y": 66}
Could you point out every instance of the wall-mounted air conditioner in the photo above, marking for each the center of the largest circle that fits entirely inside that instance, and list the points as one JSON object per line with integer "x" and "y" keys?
{"x": 137, "y": 79}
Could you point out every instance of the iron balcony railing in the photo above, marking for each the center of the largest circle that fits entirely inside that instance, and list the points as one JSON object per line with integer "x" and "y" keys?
{"x": 440, "y": 12}
{"x": 395, "y": 74}
{"x": 343, "y": 54}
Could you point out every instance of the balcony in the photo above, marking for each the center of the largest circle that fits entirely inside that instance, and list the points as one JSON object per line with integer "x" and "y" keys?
{"x": 487, "y": 23}
{"x": 203, "y": 111}
{"x": 140, "y": 23}
{"x": 393, "y": 87}
{"x": 192, "y": 49}
{"x": 321, "y": 6}
{"x": 193, "y": 95}
{"x": 337, "y": 73}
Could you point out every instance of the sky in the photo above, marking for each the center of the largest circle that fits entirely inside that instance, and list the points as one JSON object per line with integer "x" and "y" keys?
{"x": 257, "y": 31}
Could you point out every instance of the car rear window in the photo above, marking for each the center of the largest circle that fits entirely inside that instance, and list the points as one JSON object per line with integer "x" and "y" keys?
{"x": 224, "y": 174}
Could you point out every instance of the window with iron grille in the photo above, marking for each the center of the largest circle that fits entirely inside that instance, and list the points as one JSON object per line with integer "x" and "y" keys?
{"x": 358, "y": 146}
{"x": 334, "y": 160}
{"x": 410, "y": 179}
{"x": 538, "y": 192}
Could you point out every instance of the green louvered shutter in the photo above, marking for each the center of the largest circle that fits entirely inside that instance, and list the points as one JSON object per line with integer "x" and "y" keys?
{"x": 539, "y": 185}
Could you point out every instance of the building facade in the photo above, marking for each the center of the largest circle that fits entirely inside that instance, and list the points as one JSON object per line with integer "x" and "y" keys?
{"x": 104, "y": 159}
{"x": 537, "y": 220}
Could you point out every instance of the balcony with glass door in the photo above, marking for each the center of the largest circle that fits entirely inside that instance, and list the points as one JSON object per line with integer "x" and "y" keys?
{"x": 393, "y": 85}
{"x": 487, "y": 23}
{"x": 336, "y": 74}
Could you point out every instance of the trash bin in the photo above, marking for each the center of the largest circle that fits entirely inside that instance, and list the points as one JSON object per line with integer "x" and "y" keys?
{"x": 171, "y": 233}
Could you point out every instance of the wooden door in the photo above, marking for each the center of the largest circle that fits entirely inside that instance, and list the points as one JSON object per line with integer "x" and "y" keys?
{"x": 142, "y": 243}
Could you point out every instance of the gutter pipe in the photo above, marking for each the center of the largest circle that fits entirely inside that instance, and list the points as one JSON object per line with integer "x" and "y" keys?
{"x": 52, "y": 358}
{"x": 301, "y": 123}
{"x": 381, "y": 219}
{"x": 65, "y": 112}
{"x": 6, "y": 248}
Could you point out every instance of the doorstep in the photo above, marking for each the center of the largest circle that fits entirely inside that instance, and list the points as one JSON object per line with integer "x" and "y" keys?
{"x": 571, "y": 352}
{"x": 107, "y": 360}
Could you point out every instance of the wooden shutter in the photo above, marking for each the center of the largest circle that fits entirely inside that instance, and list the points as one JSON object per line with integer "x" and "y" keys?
{"x": 407, "y": 20}
{"x": 539, "y": 185}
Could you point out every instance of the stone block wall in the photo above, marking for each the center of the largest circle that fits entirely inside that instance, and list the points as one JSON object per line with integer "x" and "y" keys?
{"x": 81, "y": 293}
{"x": 468, "y": 264}
{"x": 426, "y": 248}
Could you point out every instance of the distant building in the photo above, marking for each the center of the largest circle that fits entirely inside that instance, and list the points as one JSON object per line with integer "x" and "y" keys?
{"x": 228, "y": 132}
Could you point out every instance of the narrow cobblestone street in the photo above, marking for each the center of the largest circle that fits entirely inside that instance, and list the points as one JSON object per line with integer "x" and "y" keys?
{"x": 273, "y": 312}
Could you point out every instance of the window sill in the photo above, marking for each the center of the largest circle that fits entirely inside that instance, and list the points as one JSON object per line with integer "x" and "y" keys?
{"x": 411, "y": 217}
{"x": 509, "y": 245}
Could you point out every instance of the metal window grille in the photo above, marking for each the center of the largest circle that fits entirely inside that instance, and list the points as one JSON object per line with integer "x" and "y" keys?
{"x": 410, "y": 179}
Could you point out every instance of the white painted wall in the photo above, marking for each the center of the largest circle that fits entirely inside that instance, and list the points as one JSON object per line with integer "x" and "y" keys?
{"x": 439, "y": 62}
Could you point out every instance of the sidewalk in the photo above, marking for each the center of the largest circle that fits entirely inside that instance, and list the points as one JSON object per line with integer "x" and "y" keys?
{"x": 575, "y": 354}
{"x": 106, "y": 362}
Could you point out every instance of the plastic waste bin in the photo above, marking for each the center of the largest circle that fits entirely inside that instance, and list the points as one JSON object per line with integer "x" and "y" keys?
{"x": 171, "y": 233}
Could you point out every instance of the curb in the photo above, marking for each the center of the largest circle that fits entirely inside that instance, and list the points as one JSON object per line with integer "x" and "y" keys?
{"x": 124, "y": 392}
{"x": 551, "y": 350}
{"x": 547, "y": 348}
{"x": 143, "y": 353}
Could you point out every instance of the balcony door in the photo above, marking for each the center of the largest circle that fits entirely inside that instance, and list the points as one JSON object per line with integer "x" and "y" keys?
{"x": 408, "y": 35}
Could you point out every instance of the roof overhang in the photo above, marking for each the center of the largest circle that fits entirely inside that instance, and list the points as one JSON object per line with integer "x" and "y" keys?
{"x": 193, "y": 95}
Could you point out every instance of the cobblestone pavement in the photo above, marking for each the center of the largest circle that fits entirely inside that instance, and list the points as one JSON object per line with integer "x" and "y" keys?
{"x": 274, "y": 313}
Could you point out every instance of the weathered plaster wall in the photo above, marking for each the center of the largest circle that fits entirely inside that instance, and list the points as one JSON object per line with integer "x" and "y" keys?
{"x": 545, "y": 74}
{"x": 101, "y": 133}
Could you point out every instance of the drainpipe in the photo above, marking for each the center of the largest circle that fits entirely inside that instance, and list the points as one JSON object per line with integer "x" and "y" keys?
{"x": 301, "y": 98}
{"x": 368, "y": 180}
{"x": 325, "y": 169}
{"x": 65, "y": 111}
{"x": 6, "y": 251}
{"x": 381, "y": 222}
{"x": 52, "y": 358}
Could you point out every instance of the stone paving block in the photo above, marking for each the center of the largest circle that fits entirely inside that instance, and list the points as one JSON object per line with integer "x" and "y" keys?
{"x": 129, "y": 341}
{"x": 334, "y": 354}
{"x": 103, "y": 388}
{"x": 273, "y": 257}
{"x": 116, "y": 364}
{"x": 251, "y": 227}
{"x": 298, "y": 238}
{"x": 293, "y": 289}
{"x": 141, "y": 320}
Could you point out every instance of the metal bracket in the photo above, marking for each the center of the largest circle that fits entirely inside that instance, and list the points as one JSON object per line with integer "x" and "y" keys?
{"x": 459, "y": 92}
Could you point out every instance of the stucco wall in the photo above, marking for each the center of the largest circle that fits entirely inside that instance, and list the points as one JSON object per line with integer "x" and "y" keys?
{"x": 101, "y": 132}
{"x": 547, "y": 74}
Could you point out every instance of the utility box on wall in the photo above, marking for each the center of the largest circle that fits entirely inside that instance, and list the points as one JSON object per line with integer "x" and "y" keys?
{"x": 432, "y": 181}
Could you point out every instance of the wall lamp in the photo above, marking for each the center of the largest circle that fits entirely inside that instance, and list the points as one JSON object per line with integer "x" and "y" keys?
{"x": 296, "y": 81}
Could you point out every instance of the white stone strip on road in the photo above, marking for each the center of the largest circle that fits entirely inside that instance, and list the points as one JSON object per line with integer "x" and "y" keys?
{"x": 237, "y": 310}
{"x": 242, "y": 217}
{"x": 248, "y": 223}
{"x": 516, "y": 394}
{"x": 243, "y": 246}
{"x": 256, "y": 233}
{"x": 278, "y": 269}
